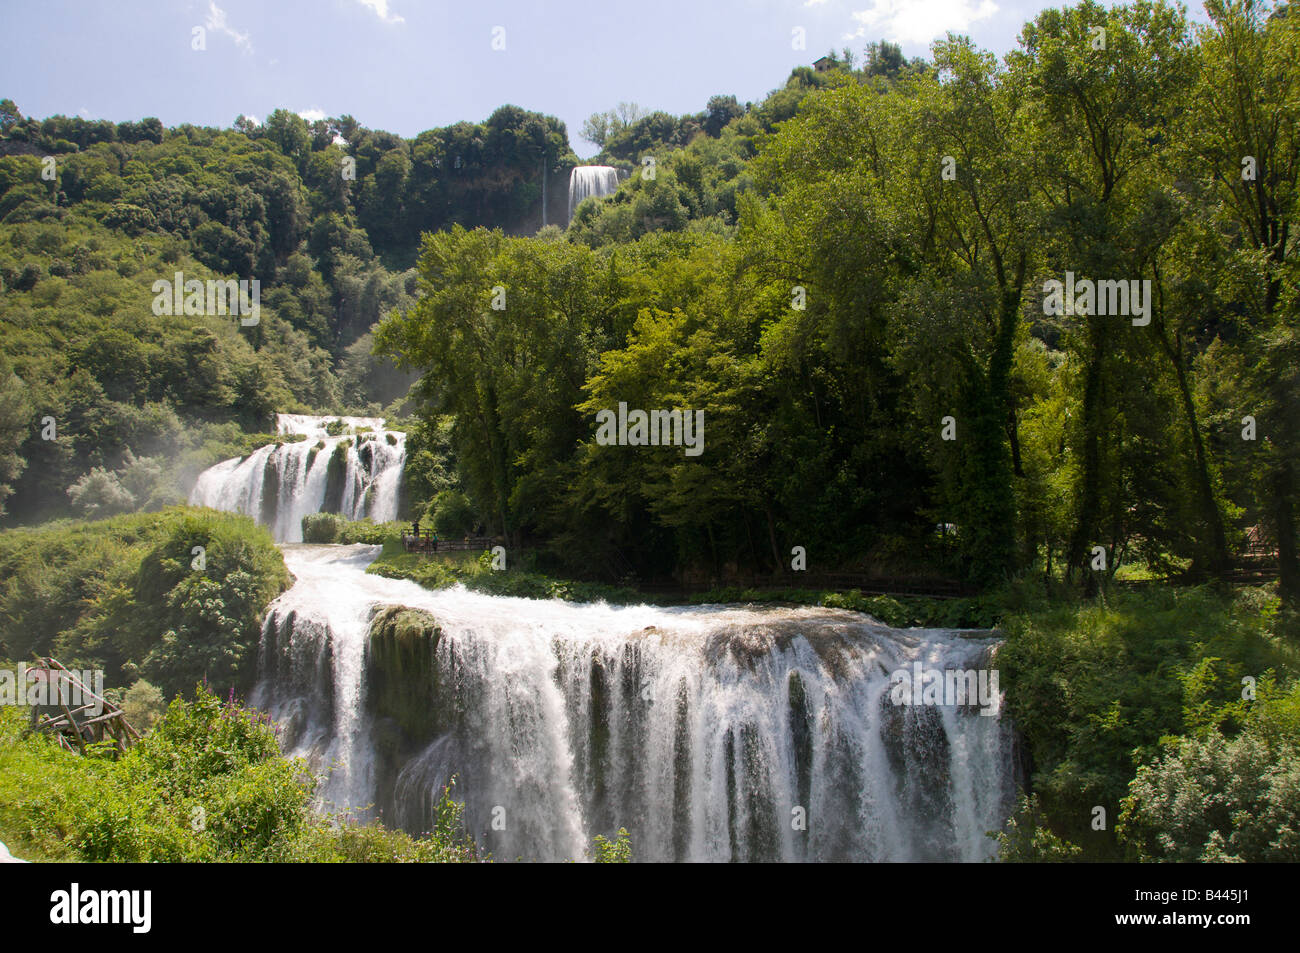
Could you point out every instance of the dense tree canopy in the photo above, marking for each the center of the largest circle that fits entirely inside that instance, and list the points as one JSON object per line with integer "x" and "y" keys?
{"x": 859, "y": 301}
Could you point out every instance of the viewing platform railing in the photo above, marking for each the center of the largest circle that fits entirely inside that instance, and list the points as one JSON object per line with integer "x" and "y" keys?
{"x": 427, "y": 541}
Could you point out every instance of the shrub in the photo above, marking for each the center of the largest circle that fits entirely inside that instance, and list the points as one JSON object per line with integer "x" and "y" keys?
{"x": 1216, "y": 800}
{"x": 143, "y": 704}
{"x": 208, "y": 783}
{"x": 320, "y": 528}
{"x": 332, "y": 528}
{"x": 131, "y": 595}
{"x": 99, "y": 494}
{"x": 1096, "y": 688}
{"x": 1027, "y": 839}
{"x": 617, "y": 851}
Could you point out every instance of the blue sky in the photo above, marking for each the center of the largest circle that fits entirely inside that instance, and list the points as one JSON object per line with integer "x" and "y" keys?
{"x": 408, "y": 65}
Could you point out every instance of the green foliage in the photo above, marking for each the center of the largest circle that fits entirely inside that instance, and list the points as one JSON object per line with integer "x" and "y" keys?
{"x": 14, "y": 411}
{"x": 121, "y": 385}
{"x": 126, "y": 595}
{"x": 206, "y": 784}
{"x": 1026, "y": 839}
{"x": 453, "y": 514}
{"x": 332, "y": 528}
{"x": 811, "y": 273}
{"x": 98, "y": 494}
{"x": 616, "y": 851}
{"x": 321, "y": 527}
{"x": 1096, "y": 689}
{"x": 1216, "y": 800}
{"x": 474, "y": 572}
{"x": 136, "y": 203}
{"x": 143, "y": 704}
{"x": 833, "y": 274}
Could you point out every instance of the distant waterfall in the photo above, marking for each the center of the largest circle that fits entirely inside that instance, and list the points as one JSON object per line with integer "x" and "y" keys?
{"x": 586, "y": 181}
{"x": 356, "y": 475}
{"x": 711, "y": 733}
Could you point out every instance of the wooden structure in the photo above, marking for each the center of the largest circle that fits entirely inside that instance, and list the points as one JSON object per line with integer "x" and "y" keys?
{"x": 94, "y": 719}
{"x": 1260, "y": 543}
{"x": 427, "y": 541}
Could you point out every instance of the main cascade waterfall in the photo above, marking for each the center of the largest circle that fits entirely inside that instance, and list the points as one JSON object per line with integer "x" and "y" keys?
{"x": 586, "y": 181}
{"x": 356, "y": 474}
{"x": 710, "y": 733}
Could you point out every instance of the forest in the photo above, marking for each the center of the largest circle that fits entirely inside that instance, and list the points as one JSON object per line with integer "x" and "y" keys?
{"x": 857, "y": 297}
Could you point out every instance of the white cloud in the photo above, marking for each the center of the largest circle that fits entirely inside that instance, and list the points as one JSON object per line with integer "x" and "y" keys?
{"x": 919, "y": 21}
{"x": 380, "y": 8}
{"x": 217, "y": 23}
{"x": 311, "y": 115}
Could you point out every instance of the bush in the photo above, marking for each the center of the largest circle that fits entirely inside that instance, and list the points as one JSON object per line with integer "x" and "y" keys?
{"x": 332, "y": 528}
{"x": 1095, "y": 689}
{"x": 143, "y": 704}
{"x": 132, "y": 596}
{"x": 1216, "y": 800}
{"x": 1026, "y": 838}
{"x": 321, "y": 527}
{"x": 208, "y": 783}
{"x": 617, "y": 851}
{"x": 204, "y": 588}
{"x": 99, "y": 494}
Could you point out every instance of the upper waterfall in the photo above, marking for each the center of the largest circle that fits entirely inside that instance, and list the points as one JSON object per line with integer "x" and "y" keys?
{"x": 347, "y": 465}
{"x": 587, "y": 181}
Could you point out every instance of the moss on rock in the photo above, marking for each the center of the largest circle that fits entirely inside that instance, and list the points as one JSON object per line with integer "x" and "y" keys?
{"x": 401, "y": 669}
{"x": 335, "y": 477}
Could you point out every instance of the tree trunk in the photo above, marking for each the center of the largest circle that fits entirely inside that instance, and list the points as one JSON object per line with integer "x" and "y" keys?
{"x": 1085, "y": 529}
{"x": 771, "y": 535}
{"x": 1218, "y": 541}
{"x": 1288, "y": 563}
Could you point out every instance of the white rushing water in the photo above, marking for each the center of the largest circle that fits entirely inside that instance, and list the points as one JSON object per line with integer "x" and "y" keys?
{"x": 355, "y": 474}
{"x": 591, "y": 181}
{"x": 313, "y": 426}
{"x": 710, "y": 733}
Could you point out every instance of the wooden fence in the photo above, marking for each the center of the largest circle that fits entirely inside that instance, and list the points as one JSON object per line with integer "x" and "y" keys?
{"x": 429, "y": 542}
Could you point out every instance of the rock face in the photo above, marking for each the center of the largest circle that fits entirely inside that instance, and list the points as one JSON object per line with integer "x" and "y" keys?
{"x": 401, "y": 694}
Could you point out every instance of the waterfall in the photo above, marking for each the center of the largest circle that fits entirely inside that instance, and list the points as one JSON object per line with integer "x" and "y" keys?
{"x": 312, "y": 426}
{"x": 710, "y": 732}
{"x": 355, "y": 474}
{"x": 587, "y": 181}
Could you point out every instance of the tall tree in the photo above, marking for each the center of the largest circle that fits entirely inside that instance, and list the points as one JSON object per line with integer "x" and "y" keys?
{"x": 1245, "y": 127}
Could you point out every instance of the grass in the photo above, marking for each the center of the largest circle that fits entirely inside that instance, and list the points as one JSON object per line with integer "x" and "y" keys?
{"x": 473, "y": 570}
